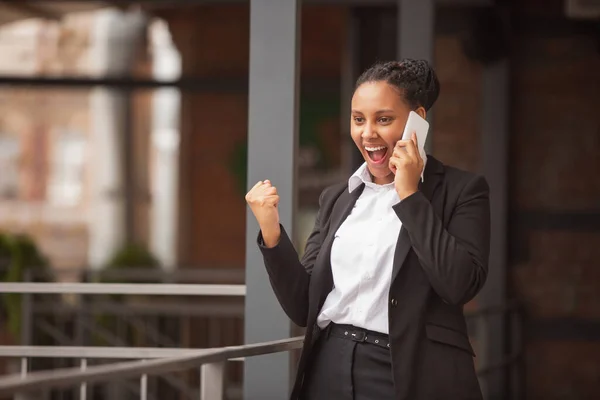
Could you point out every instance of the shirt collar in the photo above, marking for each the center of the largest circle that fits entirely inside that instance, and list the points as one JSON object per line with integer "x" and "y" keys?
{"x": 362, "y": 175}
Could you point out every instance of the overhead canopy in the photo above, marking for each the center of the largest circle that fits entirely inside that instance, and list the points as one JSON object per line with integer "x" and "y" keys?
{"x": 15, "y": 10}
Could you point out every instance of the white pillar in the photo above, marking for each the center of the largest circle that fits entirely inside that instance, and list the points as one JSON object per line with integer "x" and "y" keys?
{"x": 164, "y": 147}
{"x": 116, "y": 36}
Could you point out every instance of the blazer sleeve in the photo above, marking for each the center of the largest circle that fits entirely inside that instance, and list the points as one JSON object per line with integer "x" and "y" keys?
{"x": 454, "y": 259}
{"x": 290, "y": 276}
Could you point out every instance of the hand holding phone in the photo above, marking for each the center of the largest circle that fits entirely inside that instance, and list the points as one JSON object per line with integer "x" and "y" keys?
{"x": 420, "y": 126}
{"x": 407, "y": 161}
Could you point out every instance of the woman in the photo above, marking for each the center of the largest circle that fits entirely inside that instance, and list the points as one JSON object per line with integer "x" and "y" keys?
{"x": 395, "y": 253}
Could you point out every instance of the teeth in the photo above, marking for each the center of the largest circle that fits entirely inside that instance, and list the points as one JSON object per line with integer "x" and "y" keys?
{"x": 374, "y": 148}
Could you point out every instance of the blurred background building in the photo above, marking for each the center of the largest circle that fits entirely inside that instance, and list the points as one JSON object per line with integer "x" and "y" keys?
{"x": 124, "y": 149}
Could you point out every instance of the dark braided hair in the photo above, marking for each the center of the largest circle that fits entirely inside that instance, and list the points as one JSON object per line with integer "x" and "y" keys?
{"x": 416, "y": 79}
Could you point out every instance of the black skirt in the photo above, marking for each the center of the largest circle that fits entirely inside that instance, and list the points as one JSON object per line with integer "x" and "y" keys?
{"x": 345, "y": 366}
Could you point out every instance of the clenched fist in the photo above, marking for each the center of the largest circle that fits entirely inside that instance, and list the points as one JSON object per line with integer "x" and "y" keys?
{"x": 263, "y": 200}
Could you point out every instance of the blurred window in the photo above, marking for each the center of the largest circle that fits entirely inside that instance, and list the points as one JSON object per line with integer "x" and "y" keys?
{"x": 9, "y": 166}
{"x": 65, "y": 184}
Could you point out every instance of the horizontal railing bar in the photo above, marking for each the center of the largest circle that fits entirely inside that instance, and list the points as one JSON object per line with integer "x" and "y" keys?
{"x": 176, "y": 273}
{"x": 204, "y": 275}
{"x": 73, "y": 376}
{"x": 96, "y": 352}
{"x": 222, "y": 309}
{"x": 158, "y": 289}
{"x": 90, "y": 352}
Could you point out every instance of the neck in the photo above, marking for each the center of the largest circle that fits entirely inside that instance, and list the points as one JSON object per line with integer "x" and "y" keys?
{"x": 382, "y": 181}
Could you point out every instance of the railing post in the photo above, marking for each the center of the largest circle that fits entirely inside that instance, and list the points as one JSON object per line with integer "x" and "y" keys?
{"x": 212, "y": 381}
{"x": 26, "y": 331}
{"x": 24, "y": 367}
{"x": 26, "y": 314}
{"x": 24, "y": 371}
{"x": 83, "y": 386}
{"x": 144, "y": 387}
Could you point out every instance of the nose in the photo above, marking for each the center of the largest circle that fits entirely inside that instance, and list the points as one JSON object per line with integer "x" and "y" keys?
{"x": 368, "y": 132}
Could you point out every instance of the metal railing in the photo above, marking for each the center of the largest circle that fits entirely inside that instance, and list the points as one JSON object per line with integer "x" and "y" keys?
{"x": 119, "y": 309}
{"x": 211, "y": 362}
{"x": 153, "y": 289}
{"x": 153, "y": 361}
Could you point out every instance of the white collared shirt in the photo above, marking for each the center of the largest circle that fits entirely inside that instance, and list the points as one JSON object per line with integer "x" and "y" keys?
{"x": 362, "y": 256}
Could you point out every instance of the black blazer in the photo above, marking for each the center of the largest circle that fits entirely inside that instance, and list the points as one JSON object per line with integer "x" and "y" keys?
{"x": 440, "y": 263}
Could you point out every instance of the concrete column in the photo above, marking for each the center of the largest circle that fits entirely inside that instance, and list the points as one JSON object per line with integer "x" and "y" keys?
{"x": 116, "y": 36}
{"x": 416, "y": 34}
{"x": 272, "y": 148}
{"x": 495, "y": 120}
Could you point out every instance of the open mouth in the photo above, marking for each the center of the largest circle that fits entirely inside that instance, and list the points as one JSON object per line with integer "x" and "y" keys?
{"x": 377, "y": 154}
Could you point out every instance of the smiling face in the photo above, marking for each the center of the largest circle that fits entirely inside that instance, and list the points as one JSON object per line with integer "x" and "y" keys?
{"x": 379, "y": 114}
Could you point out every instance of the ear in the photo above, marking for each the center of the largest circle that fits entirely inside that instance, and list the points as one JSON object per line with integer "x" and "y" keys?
{"x": 421, "y": 111}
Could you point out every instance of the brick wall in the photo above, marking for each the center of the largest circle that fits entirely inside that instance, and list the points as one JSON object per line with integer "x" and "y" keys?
{"x": 215, "y": 44}
{"x": 555, "y": 143}
{"x": 553, "y": 187}
{"x": 456, "y": 139}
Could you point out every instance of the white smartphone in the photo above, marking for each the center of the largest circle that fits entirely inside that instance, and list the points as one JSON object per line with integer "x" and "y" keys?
{"x": 421, "y": 127}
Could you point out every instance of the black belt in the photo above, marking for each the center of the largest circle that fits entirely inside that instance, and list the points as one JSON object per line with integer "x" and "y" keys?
{"x": 358, "y": 335}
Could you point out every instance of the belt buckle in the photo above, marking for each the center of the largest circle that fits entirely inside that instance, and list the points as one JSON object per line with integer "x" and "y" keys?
{"x": 359, "y": 336}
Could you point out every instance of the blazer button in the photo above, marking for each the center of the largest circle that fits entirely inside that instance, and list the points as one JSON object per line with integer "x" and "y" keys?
{"x": 394, "y": 302}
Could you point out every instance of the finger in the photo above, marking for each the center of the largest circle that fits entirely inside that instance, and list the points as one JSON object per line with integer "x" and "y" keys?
{"x": 411, "y": 148}
{"x": 270, "y": 191}
{"x": 399, "y": 153}
{"x": 271, "y": 200}
{"x": 394, "y": 164}
{"x": 402, "y": 153}
{"x": 402, "y": 144}
{"x": 258, "y": 184}
{"x": 401, "y": 162}
{"x": 408, "y": 148}
{"x": 415, "y": 139}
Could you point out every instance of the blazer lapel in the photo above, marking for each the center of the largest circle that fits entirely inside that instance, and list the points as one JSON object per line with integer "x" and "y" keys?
{"x": 322, "y": 275}
{"x": 431, "y": 179}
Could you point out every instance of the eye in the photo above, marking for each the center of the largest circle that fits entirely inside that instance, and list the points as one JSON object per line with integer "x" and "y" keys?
{"x": 359, "y": 120}
{"x": 385, "y": 120}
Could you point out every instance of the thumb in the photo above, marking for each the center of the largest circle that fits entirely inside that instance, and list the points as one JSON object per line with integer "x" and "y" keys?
{"x": 393, "y": 166}
{"x": 272, "y": 200}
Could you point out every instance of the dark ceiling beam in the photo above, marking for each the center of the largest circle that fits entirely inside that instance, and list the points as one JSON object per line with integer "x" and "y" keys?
{"x": 180, "y": 3}
{"x": 309, "y": 86}
{"x": 124, "y": 83}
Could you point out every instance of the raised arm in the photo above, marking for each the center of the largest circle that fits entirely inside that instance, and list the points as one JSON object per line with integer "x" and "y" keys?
{"x": 289, "y": 276}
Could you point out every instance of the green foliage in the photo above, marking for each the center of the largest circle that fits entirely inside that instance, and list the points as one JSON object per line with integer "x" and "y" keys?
{"x": 238, "y": 165}
{"x": 132, "y": 256}
{"x": 313, "y": 111}
{"x": 129, "y": 256}
{"x": 19, "y": 258}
